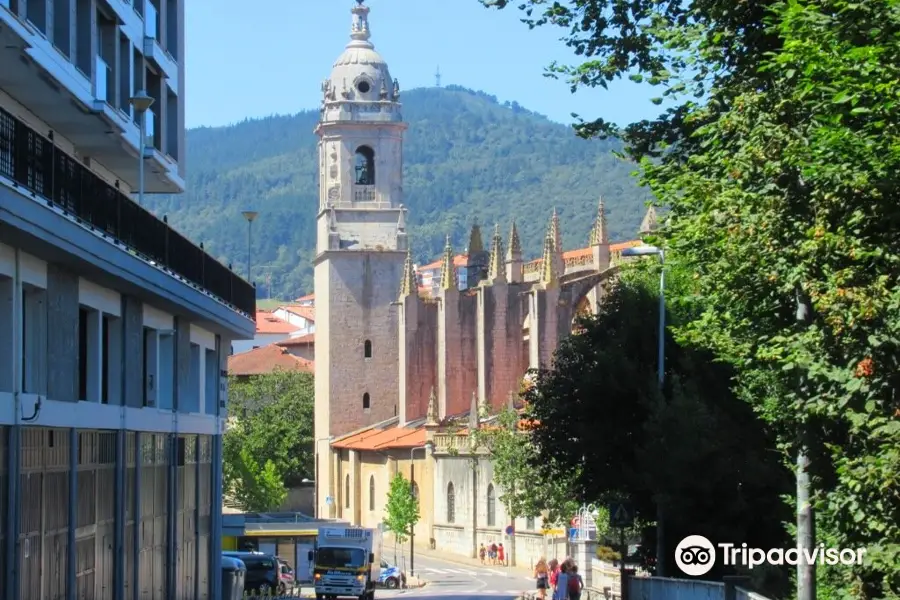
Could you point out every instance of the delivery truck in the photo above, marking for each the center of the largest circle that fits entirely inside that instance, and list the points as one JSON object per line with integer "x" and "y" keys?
{"x": 347, "y": 563}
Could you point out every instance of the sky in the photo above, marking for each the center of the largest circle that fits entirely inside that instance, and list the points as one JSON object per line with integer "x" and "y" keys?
{"x": 244, "y": 63}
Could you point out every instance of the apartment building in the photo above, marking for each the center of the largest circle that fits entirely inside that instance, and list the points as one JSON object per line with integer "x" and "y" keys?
{"x": 114, "y": 328}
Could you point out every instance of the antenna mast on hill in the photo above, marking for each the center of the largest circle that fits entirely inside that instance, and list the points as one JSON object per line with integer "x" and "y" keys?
{"x": 437, "y": 77}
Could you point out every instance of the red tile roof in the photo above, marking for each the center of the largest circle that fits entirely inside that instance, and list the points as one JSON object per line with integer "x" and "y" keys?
{"x": 458, "y": 261}
{"x": 579, "y": 252}
{"x": 375, "y": 438}
{"x": 306, "y": 298}
{"x": 300, "y": 340}
{"x": 266, "y": 322}
{"x": 307, "y": 312}
{"x": 267, "y": 359}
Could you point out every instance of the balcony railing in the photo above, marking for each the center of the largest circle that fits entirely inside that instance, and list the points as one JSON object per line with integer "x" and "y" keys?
{"x": 33, "y": 162}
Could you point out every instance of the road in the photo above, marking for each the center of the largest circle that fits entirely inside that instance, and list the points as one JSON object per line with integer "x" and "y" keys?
{"x": 447, "y": 578}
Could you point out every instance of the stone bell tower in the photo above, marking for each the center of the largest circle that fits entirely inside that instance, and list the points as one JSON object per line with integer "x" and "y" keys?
{"x": 360, "y": 249}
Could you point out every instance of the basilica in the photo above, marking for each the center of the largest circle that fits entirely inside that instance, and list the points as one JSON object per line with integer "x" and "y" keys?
{"x": 403, "y": 370}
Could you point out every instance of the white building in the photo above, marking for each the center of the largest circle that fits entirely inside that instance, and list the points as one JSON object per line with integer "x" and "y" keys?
{"x": 114, "y": 329}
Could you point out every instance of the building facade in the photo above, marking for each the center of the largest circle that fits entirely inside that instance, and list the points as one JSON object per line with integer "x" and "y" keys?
{"x": 114, "y": 328}
{"x": 407, "y": 362}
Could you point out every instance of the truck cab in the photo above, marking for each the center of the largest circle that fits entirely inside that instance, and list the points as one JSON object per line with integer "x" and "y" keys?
{"x": 347, "y": 563}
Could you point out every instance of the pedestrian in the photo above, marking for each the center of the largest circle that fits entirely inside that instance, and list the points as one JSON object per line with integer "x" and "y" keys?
{"x": 542, "y": 577}
{"x": 561, "y": 592}
{"x": 482, "y": 552}
{"x": 554, "y": 573}
{"x": 576, "y": 583}
{"x": 493, "y": 553}
{"x": 501, "y": 554}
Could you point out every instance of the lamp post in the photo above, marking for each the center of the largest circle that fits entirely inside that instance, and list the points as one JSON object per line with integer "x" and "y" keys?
{"x": 250, "y": 215}
{"x": 141, "y": 102}
{"x": 660, "y": 376}
{"x": 412, "y": 484}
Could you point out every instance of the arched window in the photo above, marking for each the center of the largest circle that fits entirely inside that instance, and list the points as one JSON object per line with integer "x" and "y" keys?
{"x": 529, "y": 523}
{"x": 347, "y": 491}
{"x": 367, "y": 349}
{"x": 372, "y": 492}
{"x": 451, "y": 504}
{"x": 491, "y": 506}
{"x": 365, "y": 166}
{"x": 366, "y": 401}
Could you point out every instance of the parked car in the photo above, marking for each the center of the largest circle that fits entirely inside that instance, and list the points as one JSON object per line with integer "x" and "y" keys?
{"x": 287, "y": 577}
{"x": 391, "y": 577}
{"x": 263, "y": 571}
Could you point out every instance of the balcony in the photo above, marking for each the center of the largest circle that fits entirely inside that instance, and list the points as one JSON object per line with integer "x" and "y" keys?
{"x": 33, "y": 162}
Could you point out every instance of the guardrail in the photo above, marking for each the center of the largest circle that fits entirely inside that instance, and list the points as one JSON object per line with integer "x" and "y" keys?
{"x": 35, "y": 163}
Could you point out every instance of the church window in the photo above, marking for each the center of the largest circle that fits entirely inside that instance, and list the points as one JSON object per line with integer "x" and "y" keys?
{"x": 367, "y": 349}
{"x": 347, "y": 491}
{"x": 366, "y": 401}
{"x": 491, "y": 506}
{"x": 371, "y": 492}
{"x": 363, "y": 87}
{"x": 365, "y": 166}
{"x": 529, "y": 523}
{"x": 451, "y": 504}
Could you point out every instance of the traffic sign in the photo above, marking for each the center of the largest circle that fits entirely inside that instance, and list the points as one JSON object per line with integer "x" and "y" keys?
{"x": 510, "y": 530}
{"x": 620, "y": 515}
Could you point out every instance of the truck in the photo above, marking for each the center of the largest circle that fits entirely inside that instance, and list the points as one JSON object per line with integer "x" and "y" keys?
{"x": 346, "y": 563}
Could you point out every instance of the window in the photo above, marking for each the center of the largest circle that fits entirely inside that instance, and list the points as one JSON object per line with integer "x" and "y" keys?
{"x": 211, "y": 374}
{"x": 367, "y": 349}
{"x": 451, "y": 504}
{"x": 366, "y": 402}
{"x": 165, "y": 385}
{"x": 347, "y": 491}
{"x": 371, "y": 492}
{"x": 491, "y": 506}
{"x": 365, "y": 166}
{"x": 6, "y": 323}
{"x": 529, "y": 523}
{"x": 150, "y": 356}
{"x": 192, "y": 397}
{"x": 111, "y": 360}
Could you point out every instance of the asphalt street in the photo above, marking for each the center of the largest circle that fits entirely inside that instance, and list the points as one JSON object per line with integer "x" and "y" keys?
{"x": 450, "y": 579}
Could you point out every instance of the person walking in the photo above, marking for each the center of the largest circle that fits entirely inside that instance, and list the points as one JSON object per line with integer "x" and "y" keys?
{"x": 482, "y": 552}
{"x": 493, "y": 553}
{"x": 561, "y": 591}
{"x": 576, "y": 583}
{"x": 501, "y": 555}
{"x": 542, "y": 578}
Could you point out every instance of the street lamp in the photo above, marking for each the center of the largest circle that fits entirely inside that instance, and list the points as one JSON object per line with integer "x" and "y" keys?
{"x": 141, "y": 102}
{"x": 250, "y": 215}
{"x": 660, "y": 375}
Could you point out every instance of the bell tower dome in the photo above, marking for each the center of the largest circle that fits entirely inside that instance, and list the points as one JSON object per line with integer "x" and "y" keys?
{"x": 361, "y": 246}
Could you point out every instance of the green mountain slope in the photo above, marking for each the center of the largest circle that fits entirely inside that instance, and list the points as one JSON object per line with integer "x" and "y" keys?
{"x": 466, "y": 157}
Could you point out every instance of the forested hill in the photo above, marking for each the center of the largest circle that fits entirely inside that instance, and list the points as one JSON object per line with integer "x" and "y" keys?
{"x": 466, "y": 157}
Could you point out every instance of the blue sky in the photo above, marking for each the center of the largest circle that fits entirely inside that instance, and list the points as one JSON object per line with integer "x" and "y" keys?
{"x": 271, "y": 60}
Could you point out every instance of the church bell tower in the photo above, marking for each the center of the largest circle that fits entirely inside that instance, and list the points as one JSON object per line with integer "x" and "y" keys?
{"x": 361, "y": 246}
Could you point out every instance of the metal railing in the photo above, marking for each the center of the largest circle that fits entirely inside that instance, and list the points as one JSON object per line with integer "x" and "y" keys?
{"x": 33, "y": 162}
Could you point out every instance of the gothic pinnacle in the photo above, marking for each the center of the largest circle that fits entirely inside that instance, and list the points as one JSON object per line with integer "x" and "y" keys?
{"x": 448, "y": 271}
{"x": 432, "y": 411}
{"x": 474, "y": 415}
{"x": 548, "y": 272}
{"x": 409, "y": 285}
{"x": 495, "y": 268}
{"x": 555, "y": 231}
{"x": 514, "y": 252}
{"x": 649, "y": 223}
{"x": 476, "y": 245}
{"x": 599, "y": 234}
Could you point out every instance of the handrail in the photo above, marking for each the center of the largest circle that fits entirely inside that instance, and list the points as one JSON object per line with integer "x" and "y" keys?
{"x": 35, "y": 163}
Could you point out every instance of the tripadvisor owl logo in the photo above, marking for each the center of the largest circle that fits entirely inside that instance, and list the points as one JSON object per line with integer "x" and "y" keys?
{"x": 695, "y": 555}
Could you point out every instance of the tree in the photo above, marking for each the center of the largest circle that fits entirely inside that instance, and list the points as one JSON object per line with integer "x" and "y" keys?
{"x": 527, "y": 490}
{"x": 401, "y": 512}
{"x": 780, "y": 172}
{"x": 599, "y": 415}
{"x": 270, "y": 434}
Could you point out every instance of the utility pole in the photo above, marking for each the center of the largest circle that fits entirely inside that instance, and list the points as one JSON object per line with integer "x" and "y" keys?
{"x": 437, "y": 77}
{"x": 806, "y": 518}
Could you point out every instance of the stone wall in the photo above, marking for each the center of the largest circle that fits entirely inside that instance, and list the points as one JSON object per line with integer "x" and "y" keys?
{"x": 503, "y": 360}
{"x": 418, "y": 360}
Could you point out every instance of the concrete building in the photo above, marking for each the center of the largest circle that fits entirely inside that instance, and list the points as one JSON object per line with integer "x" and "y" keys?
{"x": 407, "y": 362}
{"x": 114, "y": 328}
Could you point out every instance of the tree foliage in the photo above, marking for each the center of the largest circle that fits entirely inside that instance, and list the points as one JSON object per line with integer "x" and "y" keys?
{"x": 697, "y": 448}
{"x": 779, "y": 160}
{"x": 269, "y": 438}
{"x": 466, "y": 156}
{"x": 401, "y": 512}
{"x": 527, "y": 487}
